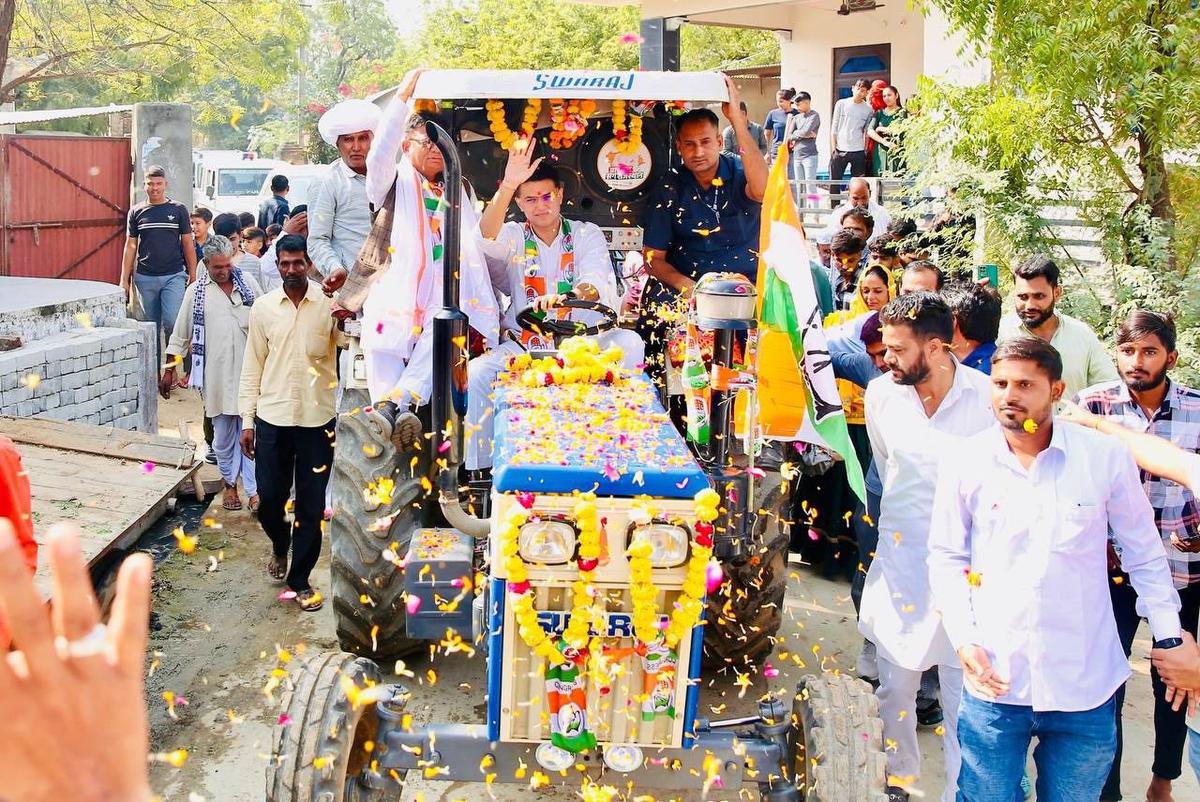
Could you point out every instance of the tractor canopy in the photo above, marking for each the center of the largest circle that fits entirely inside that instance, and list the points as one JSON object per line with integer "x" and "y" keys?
{"x": 609, "y": 163}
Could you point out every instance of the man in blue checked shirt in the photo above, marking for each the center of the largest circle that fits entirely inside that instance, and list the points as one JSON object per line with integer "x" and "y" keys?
{"x": 1146, "y": 400}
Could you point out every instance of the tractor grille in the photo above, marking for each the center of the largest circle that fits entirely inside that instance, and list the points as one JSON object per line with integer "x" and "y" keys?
{"x": 614, "y": 699}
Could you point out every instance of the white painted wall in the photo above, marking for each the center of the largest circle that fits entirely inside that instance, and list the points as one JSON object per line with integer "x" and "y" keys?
{"x": 920, "y": 44}
{"x": 807, "y": 61}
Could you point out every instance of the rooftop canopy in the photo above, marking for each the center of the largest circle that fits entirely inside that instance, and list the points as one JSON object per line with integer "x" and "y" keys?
{"x": 597, "y": 84}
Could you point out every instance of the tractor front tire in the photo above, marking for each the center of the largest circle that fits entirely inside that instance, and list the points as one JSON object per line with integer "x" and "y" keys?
{"x": 745, "y": 613}
{"x": 368, "y": 588}
{"x": 323, "y": 747}
{"x": 837, "y": 741}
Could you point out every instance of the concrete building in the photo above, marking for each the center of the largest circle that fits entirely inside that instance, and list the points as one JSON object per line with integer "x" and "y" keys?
{"x": 825, "y": 45}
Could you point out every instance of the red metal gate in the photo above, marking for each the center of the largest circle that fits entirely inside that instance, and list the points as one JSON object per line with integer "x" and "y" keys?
{"x": 63, "y": 206}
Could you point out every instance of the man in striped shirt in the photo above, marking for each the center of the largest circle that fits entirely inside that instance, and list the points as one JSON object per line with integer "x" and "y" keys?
{"x": 1146, "y": 400}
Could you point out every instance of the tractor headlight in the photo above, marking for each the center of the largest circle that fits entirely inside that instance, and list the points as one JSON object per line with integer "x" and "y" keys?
{"x": 548, "y": 542}
{"x": 669, "y": 543}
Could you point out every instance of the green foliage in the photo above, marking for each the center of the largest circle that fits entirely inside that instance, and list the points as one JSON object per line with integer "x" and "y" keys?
{"x": 531, "y": 34}
{"x": 93, "y": 52}
{"x": 711, "y": 47}
{"x": 1087, "y": 105}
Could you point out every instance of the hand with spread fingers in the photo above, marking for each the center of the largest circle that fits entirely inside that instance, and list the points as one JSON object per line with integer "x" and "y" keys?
{"x": 520, "y": 165}
{"x": 71, "y": 689}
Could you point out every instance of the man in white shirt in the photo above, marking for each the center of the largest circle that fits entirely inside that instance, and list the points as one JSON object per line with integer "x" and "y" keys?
{"x": 340, "y": 216}
{"x": 859, "y": 197}
{"x": 1019, "y": 566}
{"x": 916, "y": 413}
{"x": 1036, "y": 289}
{"x": 537, "y": 263}
{"x": 848, "y": 133}
{"x": 1159, "y": 456}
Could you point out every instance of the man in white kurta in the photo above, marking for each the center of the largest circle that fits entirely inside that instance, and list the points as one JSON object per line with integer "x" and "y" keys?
{"x": 537, "y": 263}
{"x": 397, "y": 331}
{"x": 217, "y": 345}
{"x": 915, "y": 414}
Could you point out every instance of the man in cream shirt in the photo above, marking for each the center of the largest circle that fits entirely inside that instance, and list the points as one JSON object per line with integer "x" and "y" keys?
{"x": 1037, "y": 290}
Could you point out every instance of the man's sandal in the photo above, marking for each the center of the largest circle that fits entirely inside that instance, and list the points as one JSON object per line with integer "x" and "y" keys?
{"x": 309, "y": 600}
{"x": 230, "y": 500}
{"x": 277, "y": 568}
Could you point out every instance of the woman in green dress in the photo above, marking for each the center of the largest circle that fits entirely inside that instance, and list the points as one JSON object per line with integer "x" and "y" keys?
{"x": 886, "y": 160}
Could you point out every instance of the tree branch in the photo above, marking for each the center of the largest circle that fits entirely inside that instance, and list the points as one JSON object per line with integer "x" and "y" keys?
{"x": 38, "y": 73}
{"x": 1107, "y": 148}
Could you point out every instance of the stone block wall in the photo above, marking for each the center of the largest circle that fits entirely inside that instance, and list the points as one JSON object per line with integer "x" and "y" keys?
{"x": 90, "y": 375}
{"x": 81, "y": 358}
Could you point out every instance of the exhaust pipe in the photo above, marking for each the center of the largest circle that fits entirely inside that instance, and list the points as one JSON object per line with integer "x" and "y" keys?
{"x": 450, "y": 329}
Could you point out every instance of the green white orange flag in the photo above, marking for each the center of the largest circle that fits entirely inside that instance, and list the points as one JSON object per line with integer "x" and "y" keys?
{"x": 797, "y": 391}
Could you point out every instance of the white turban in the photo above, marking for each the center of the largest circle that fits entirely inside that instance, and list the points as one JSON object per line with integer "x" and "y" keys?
{"x": 348, "y": 117}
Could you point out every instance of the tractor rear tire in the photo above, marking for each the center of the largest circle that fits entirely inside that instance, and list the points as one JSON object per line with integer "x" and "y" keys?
{"x": 837, "y": 741}
{"x": 319, "y": 751}
{"x": 368, "y": 588}
{"x": 744, "y": 615}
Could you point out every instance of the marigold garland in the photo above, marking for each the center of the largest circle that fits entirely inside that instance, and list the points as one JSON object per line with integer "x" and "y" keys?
{"x": 629, "y": 136}
{"x": 586, "y": 602}
{"x": 568, "y": 121}
{"x": 690, "y": 603}
{"x": 499, "y": 126}
{"x": 579, "y": 361}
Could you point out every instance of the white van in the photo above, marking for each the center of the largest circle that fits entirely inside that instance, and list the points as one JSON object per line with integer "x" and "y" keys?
{"x": 302, "y": 182}
{"x": 232, "y": 184}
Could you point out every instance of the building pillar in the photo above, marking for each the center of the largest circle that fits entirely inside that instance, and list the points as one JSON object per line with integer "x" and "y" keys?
{"x": 162, "y": 135}
{"x": 660, "y": 43}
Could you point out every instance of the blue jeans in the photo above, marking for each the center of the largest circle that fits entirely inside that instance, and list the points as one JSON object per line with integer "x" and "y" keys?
{"x": 1073, "y": 753}
{"x": 1194, "y": 751}
{"x": 805, "y": 169}
{"x": 161, "y": 298}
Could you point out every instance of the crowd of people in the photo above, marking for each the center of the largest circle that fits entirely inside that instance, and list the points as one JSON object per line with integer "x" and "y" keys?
{"x": 1007, "y": 548}
{"x": 864, "y": 137}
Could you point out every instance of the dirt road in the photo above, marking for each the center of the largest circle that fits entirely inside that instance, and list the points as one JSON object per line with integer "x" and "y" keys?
{"x": 221, "y": 625}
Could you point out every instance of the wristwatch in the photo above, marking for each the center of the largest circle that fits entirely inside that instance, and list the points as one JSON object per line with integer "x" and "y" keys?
{"x": 1168, "y": 643}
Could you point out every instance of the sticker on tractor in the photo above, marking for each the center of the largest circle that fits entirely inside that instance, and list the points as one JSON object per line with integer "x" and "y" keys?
{"x": 623, "y": 171}
{"x": 620, "y": 625}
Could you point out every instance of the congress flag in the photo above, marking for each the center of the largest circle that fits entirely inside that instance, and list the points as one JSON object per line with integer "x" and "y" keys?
{"x": 797, "y": 390}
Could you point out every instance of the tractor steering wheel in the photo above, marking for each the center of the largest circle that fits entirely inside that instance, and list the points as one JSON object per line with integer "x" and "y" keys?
{"x": 560, "y": 329}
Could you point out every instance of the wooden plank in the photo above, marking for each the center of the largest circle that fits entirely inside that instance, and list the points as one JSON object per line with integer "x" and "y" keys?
{"x": 102, "y": 486}
{"x": 104, "y": 441}
{"x": 122, "y": 478}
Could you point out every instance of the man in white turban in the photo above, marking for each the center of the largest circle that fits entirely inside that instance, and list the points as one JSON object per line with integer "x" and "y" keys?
{"x": 339, "y": 218}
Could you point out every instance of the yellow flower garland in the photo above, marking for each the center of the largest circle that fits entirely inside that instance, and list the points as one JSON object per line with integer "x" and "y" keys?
{"x": 586, "y": 603}
{"x": 690, "y": 604}
{"x": 499, "y": 126}
{"x": 629, "y": 137}
{"x": 580, "y": 361}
